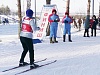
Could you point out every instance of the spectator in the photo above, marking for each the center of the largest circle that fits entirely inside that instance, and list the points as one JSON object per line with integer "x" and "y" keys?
{"x": 67, "y": 27}
{"x": 86, "y": 26}
{"x": 53, "y": 19}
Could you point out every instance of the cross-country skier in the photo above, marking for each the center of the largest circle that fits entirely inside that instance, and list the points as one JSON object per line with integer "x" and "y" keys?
{"x": 27, "y": 29}
{"x": 67, "y": 27}
{"x": 53, "y": 19}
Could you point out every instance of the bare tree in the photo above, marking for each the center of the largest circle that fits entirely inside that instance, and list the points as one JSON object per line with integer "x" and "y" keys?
{"x": 19, "y": 15}
{"x": 88, "y": 7}
{"x": 48, "y": 1}
{"x": 99, "y": 14}
{"x": 28, "y": 4}
{"x": 67, "y": 5}
{"x": 7, "y": 10}
{"x": 4, "y": 10}
{"x": 99, "y": 9}
{"x": 88, "y": 15}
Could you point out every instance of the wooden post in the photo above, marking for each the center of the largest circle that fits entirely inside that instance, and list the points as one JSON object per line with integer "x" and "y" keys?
{"x": 67, "y": 5}
{"x": 92, "y": 7}
{"x": 23, "y": 14}
{"x": 48, "y": 1}
{"x": 99, "y": 9}
{"x": 20, "y": 18}
{"x": 35, "y": 12}
{"x": 99, "y": 14}
{"x": 88, "y": 7}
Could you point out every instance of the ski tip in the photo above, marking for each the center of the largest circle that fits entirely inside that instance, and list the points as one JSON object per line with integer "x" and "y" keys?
{"x": 4, "y": 71}
{"x": 55, "y": 60}
{"x": 45, "y": 58}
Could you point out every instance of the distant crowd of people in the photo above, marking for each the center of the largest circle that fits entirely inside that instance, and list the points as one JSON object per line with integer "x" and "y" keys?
{"x": 91, "y": 23}
{"x": 5, "y": 21}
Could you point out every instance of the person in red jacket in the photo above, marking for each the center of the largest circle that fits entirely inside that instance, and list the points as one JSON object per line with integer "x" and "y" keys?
{"x": 91, "y": 23}
{"x": 67, "y": 27}
{"x": 53, "y": 19}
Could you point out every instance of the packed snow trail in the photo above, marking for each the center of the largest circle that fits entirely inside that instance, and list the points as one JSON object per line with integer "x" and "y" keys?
{"x": 80, "y": 57}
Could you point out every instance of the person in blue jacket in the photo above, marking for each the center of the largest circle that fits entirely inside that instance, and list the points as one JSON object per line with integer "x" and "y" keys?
{"x": 67, "y": 27}
{"x": 53, "y": 19}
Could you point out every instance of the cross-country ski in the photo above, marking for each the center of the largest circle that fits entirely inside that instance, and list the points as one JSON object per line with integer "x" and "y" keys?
{"x": 50, "y": 62}
{"x": 24, "y": 65}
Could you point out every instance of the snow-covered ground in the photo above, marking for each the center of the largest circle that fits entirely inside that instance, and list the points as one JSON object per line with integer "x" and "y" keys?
{"x": 80, "y": 57}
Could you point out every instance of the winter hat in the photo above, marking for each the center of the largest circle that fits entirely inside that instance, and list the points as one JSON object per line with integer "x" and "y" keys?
{"x": 29, "y": 13}
{"x": 94, "y": 16}
{"x": 66, "y": 13}
{"x": 54, "y": 10}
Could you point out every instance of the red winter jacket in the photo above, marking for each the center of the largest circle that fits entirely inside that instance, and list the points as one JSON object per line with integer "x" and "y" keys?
{"x": 91, "y": 23}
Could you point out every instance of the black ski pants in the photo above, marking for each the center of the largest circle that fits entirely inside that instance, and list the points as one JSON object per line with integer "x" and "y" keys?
{"x": 86, "y": 31}
{"x": 27, "y": 45}
{"x": 92, "y": 31}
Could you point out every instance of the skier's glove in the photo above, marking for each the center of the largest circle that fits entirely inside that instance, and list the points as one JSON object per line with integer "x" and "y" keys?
{"x": 65, "y": 21}
{"x": 56, "y": 20}
{"x": 38, "y": 28}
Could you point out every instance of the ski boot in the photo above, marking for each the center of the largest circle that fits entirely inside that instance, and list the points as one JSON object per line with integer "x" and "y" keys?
{"x": 51, "y": 40}
{"x": 55, "y": 40}
{"x": 33, "y": 66}
{"x": 23, "y": 64}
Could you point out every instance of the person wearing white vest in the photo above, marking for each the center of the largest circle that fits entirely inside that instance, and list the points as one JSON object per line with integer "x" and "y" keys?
{"x": 27, "y": 28}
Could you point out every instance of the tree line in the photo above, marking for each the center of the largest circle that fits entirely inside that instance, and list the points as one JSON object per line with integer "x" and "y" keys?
{"x": 5, "y": 10}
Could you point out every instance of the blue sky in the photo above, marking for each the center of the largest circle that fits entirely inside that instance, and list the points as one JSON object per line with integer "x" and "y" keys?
{"x": 76, "y": 6}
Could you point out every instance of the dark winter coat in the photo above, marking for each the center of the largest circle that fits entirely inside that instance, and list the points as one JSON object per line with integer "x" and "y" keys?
{"x": 87, "y": 23}
{"x": 95, "y": 22}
